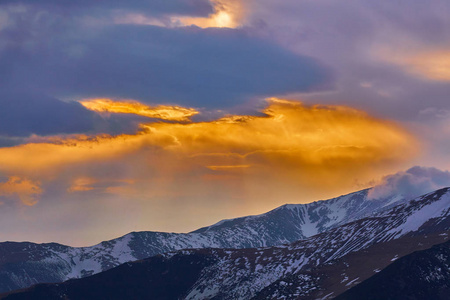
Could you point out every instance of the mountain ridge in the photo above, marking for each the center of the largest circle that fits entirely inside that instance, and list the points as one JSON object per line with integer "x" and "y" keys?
{"x": 22, "y": 265}
{"x": 250, "y": 273}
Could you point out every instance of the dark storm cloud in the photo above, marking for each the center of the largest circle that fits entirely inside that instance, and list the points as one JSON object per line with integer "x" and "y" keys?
{"x": 190, "y": 66}
{"x": 7, "y": 141}
{"x": 214, "y": 67}
{"x": 23, "y": 114}
{"x": 148, "y": 7}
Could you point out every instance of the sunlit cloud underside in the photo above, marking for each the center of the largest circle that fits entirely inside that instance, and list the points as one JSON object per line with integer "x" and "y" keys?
{"x": 164, "y": 112}
{"x": 290, "y": 149}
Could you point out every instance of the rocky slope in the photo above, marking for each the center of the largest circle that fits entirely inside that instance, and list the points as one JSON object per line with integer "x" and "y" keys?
{"x": 301, "y": 270}
{"x": 422, "y": 275}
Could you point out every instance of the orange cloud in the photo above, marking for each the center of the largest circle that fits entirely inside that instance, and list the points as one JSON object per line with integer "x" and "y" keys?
{"x": 84, "y": 184}
{"x": 226, "y": 168}
{"x": 233, "y": 166}
{"x": 27, "y": 190}
{"x": 164, "y": 112}
{"x": 290, "y": 137}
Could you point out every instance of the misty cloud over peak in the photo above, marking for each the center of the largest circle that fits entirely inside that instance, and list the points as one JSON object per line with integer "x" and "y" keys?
{"x": 411, "y": 183}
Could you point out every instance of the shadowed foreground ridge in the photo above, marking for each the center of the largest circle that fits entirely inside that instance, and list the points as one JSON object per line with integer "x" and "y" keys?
{"x": 422, "y": 275}
{"x": 154, "y": 278}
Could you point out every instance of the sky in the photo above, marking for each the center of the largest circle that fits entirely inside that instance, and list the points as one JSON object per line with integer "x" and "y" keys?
{"x": 119, "y": 116}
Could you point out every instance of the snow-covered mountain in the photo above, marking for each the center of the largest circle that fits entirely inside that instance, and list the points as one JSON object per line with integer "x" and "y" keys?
{"x": 292, "y": 222}
{"x": 299, "y": 270}
{"x": 242, "y": 274}
{"x": 24, "y": 264}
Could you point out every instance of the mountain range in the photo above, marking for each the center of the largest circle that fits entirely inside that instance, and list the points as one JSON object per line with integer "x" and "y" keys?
{"x": 305, "y": 251}
{"x": 24, "y": 264}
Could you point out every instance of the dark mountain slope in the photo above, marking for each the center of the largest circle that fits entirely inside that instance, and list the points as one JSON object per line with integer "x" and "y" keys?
{"x": 155, "y": 278}
{"x": 422, "y": 275}
{"x": 337, "y": 276}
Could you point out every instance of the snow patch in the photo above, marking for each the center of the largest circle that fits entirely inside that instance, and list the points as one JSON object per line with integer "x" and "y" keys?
{"x": 352, "y": 282}
{"x": 419, "y": 217}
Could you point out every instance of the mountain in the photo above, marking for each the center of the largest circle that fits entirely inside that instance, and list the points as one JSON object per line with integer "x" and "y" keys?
{"x": 24, "y": 264}
{"x": 319, "y": 267}
{"x": 421, "y": 275}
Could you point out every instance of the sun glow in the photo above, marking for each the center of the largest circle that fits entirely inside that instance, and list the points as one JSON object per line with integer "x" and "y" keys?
{"x": 227, "y": 14}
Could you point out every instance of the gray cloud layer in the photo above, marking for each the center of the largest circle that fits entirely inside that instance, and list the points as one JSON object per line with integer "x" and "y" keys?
{"x": 23, "y": 114}
{"x": 44, "y": 51}
{"x": 191, "y": 66}
{"x": 152, "y": 7}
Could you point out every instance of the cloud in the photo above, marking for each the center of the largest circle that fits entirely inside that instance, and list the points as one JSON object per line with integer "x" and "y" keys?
{"x": 153, "y": 8}
{"x": 26, "y": 117}
{"x": 212, "y": 68}
{"x": 164, "y": 112}
{"x": 23, "y": 114}
{"x": 390, "y": 58}
{"x": 26, "y": 190}
{"x": 289, "y": 143}
{"x": 297, "y": 135}
{"x": 227, "y": 14}
{"x": 241, "y": 164}
{"x": 351, "y": 38}
{"x": 228, "y": 168}
{"x": 432, "y": 64}
{"x": 99, "y": 185}
{"x": 180, "y": 176}
{"x": 411, "y": 183}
